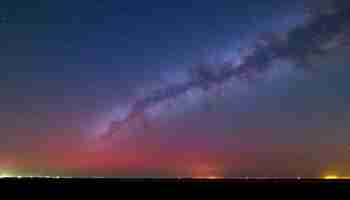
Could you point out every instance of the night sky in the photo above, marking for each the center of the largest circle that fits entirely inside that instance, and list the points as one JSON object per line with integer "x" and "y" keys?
{"x": 175, "y": 88}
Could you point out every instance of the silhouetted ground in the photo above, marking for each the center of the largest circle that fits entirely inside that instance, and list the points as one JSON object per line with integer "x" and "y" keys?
{"x": 249, "y": 186}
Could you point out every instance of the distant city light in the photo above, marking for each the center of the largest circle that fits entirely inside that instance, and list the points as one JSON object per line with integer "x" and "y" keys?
{"x": 214, "y": 177}
{"x": 207, "y": 177}
{"x": 5, "y": 175}
{"x": 331, "y": 177}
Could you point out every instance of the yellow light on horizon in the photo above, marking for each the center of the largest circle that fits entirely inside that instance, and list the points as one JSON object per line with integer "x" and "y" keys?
{"x": 331, "y": 177}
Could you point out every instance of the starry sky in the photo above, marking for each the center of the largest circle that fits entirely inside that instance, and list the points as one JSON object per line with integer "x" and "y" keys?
{"x": 174, "y": 88}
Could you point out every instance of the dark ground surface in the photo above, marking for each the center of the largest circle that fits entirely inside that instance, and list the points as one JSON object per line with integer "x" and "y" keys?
{"x": 174, "y": 186}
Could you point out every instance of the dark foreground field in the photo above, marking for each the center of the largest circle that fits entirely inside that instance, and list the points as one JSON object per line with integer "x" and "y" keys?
{"x": 174, "y": 186}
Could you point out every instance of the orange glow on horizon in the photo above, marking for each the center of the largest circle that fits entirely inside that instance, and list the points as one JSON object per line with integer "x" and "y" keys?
{"x": 208, "y": 170}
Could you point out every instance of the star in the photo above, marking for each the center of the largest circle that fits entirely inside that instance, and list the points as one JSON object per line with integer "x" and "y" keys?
{"x": 3, "y": 20}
